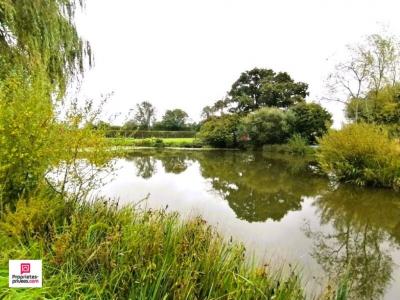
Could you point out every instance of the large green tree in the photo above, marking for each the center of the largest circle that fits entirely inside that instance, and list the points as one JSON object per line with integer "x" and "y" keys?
{"x": 220, "y": 131}
{"x": 145, "y": 114}
{"x": 41, "y": 35}
{"x": 264, "y": 88}
{"x": 174, "y": 119}
{"x": 267, "y": 125}
{"x": 40, "y": 52}
{"x": 310, "y": 120}
{"x": 371, "y": 67}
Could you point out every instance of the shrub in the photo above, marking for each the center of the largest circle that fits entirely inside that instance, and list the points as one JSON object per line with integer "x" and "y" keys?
{"x": 153, "y": 142}
{"x": 310, "y": 120}
{"x": 220, "y": 131}
{"x": 298, "y": 145}
{"x": 266, "y": 126}
{"x": 361, "y": 154}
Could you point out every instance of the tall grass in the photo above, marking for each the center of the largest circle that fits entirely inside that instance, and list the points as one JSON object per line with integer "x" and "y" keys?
{"x": 99, "y": 251}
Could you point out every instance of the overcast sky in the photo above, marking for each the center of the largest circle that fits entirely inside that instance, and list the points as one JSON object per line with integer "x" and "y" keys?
{"x": 186, "y": 54}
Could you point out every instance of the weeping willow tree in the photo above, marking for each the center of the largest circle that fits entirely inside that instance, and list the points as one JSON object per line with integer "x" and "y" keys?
{"x": 41, "y": 35}
{"x": 40, "y": 53}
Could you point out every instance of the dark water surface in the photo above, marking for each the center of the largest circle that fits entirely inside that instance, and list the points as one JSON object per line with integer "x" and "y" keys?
{"x": 279, "y": 209}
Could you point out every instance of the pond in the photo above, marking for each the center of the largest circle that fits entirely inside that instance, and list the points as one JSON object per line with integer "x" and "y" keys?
{"x": 278, "y": 208}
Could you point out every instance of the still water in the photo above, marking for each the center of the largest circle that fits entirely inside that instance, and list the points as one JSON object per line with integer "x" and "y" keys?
{"x": 278, "y": 208}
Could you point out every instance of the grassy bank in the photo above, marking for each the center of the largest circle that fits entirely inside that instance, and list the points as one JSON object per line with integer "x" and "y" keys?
{"x": 97, "y": 251}
{"x": 156, "y": 142}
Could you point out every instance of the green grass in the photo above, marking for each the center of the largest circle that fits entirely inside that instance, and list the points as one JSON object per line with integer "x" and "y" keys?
{"x": 156, "y": 142}
{"x": 99, "y": 251}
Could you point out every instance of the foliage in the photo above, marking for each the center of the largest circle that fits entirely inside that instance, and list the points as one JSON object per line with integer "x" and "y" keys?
{"x": 371, "y": 66}
{"x": 33, "y": 141}
{"x": 207, "y": 112}
{"x": 298, "y": 145}
{"x": 219, "y": 106}
{"x": 362, "y": 154}
{"x": 40, "y": 52}
{"x": 173, "y": 120}
{"x": 382, "y": 107}
{"x": 220, "y": 131}
{"x": 311, "y": 121}
{"x": 263, "y": 87}
{"x": 104, "y": 126}
{"x": 145, "y": 115}
{"x": 41, "y": 35}
{"x": 99, "y": 251}
{"x": 79, "y": 153}
{"x": 130, "y": 125}
{"x": 26, "y": 132}
{"x": 266, "y": 126}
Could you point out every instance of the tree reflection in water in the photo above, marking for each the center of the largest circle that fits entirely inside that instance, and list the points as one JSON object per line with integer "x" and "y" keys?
{"x": 145, "y": 162}
{"x": 366, "y": 225}
{"x": 145, "y": 165}
{"x": 258, "y": 187}
{"x": 174, "y": 164}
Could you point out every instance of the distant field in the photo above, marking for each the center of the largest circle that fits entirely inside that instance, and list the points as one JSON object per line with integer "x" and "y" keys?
{"x": 153, "y": 142}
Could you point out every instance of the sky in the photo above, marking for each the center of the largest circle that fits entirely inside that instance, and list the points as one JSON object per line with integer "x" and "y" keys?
{"x": 186, "y": 54}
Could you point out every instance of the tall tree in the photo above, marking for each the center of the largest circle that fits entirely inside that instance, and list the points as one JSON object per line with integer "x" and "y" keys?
{"x": 219, "y": 106}
{"x": 174, "y": 119}
{"x": 264, "y": 88}
{"x": 145, "y": 114}
{"x": 371, "y": 65}
{"x": 207, "y": 112}
{"x": 42, "y": 35}
{"x": 310, "y": 120}
{"x": 40, "y": 52}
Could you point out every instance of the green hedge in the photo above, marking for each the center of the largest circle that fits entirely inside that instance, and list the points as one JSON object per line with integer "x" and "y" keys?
{"x": 142, "y": 134}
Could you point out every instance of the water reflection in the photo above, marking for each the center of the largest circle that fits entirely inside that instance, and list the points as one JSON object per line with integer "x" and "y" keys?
{"x": 257, "y": 187}
{"x": 351, "y": 230}
{"x": 174, "y": 164}
{"x": 366, "y": 226}
{"x": 145, "y": 165}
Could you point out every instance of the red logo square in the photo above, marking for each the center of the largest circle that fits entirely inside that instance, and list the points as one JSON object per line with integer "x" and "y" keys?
{"x": 25, "y": 268}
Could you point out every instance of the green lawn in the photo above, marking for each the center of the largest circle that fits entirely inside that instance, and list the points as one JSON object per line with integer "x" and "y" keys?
{"x": 156, "y": 142}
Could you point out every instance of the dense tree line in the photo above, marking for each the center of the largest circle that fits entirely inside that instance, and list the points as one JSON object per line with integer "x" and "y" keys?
{"x": 263, "y": 107}
{"x": 144, "y": 118}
